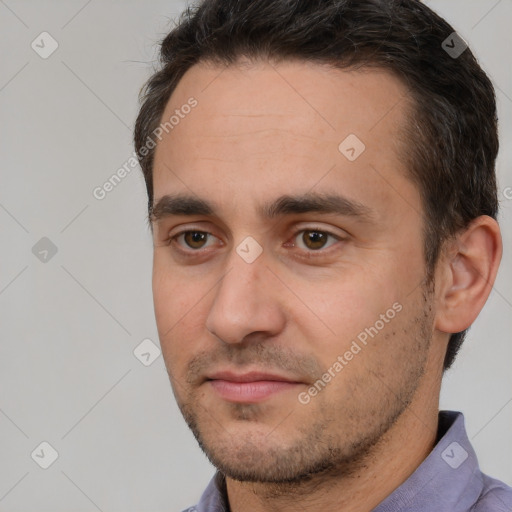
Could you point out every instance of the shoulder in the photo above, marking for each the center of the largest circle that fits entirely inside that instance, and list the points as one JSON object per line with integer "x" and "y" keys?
{"x": 496, "y": 496}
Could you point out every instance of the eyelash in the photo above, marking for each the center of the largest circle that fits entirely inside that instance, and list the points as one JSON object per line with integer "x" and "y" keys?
{"x": 310, "y": 253}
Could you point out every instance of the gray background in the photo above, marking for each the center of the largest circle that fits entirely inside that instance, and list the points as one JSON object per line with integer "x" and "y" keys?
{"x": 69, "y": 325}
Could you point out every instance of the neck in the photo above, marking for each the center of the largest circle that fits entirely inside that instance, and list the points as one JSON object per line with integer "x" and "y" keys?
{"x": 392, "y": 460}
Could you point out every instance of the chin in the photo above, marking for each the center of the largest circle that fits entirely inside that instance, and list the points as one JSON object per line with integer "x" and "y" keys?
{"x": 261, "y": 455}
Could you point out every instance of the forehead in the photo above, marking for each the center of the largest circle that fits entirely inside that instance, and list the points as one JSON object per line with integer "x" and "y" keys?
{"x": 258, "y": 127}
{"x": 338, "y": 97}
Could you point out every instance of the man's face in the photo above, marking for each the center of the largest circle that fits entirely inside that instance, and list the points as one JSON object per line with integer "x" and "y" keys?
{"x": 251, "y": 340}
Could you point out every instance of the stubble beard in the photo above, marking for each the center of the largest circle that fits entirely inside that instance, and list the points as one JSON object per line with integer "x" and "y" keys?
{"x": 317, "y": 451}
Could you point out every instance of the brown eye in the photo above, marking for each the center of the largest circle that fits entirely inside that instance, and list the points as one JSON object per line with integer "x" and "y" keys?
{"x": 195, "y": 239}
{"x": 314, "y": 239}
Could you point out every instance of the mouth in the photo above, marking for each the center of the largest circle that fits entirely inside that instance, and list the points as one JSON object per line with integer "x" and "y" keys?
{"x": 250, "y": 387}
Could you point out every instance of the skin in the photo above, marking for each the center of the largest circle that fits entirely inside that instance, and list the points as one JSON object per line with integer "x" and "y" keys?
{"x": 260, "y": 131}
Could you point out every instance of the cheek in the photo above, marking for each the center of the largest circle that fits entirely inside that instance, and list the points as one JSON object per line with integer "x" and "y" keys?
{"x": 172, "y": 292}
{"x": 345, "y": 308}
{"x": 356, "y": 299}
{"x": 175, "y": 306}
{"x": 165, "y": 296}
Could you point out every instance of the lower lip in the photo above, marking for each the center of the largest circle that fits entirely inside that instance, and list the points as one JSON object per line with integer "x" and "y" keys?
{"x": 250, "y": 392}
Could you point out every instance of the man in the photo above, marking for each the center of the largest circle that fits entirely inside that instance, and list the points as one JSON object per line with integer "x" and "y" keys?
{"x": 322, "y": 197}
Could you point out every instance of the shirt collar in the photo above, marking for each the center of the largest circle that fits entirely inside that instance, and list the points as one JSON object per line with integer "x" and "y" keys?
{"x": 449, "y": 476}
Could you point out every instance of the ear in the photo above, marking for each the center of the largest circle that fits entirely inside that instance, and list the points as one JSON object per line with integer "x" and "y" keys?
{"x": 467, "y": 273}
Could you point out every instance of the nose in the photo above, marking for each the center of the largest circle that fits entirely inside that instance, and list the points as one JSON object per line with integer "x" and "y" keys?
{"x": 246, "y": 302}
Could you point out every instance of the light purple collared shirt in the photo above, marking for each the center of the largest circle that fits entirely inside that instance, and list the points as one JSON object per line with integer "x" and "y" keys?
{"x": 448, "y": 480}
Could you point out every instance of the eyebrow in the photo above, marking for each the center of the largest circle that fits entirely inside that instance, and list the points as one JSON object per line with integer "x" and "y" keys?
{"x": 188, "y": 205}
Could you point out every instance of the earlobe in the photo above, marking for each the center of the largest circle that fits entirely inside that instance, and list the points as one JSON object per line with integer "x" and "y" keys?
{"x": 470, "y": 272}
